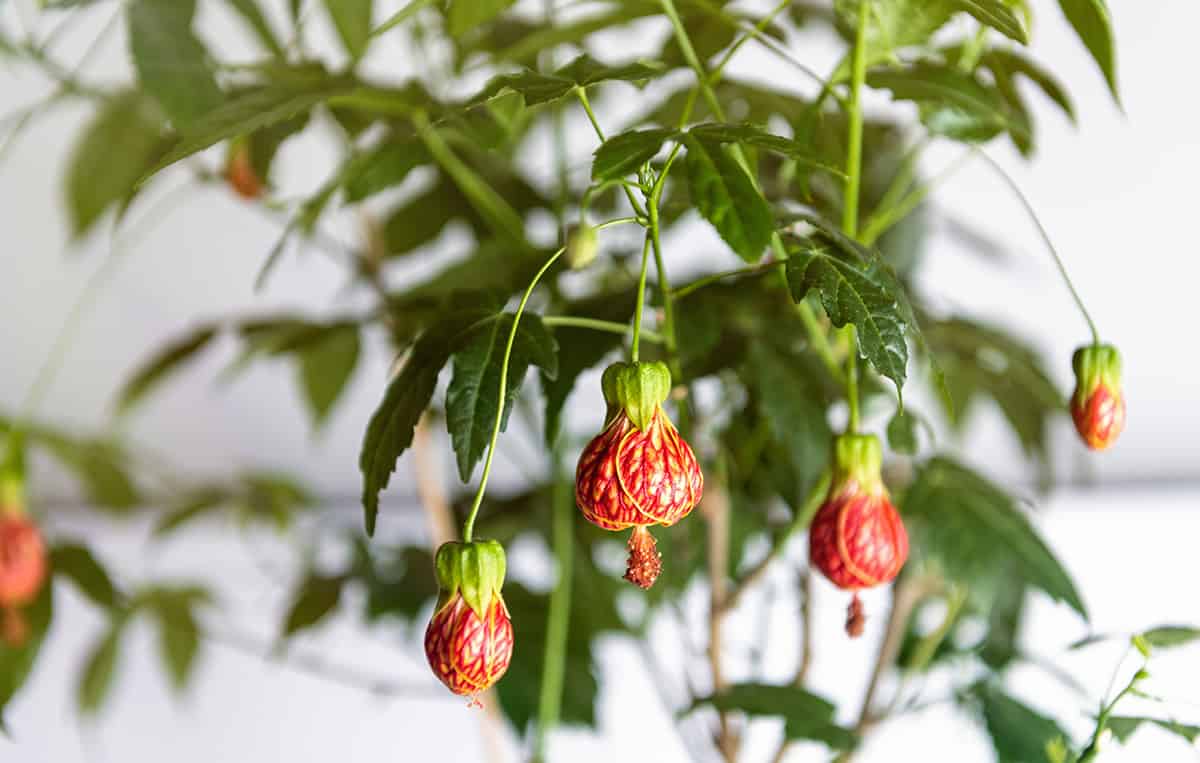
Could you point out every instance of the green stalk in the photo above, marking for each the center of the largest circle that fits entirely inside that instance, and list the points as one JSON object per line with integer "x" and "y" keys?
{"x": 469, "y": 526}
{"x": 641, "y": 300}
{"x": 852, "y": 190}
{"x": 581, "y": 94}
{"x": 558, "y": 615}
{"x": 1062, "y": 269}
{"x": 612, "y": 327}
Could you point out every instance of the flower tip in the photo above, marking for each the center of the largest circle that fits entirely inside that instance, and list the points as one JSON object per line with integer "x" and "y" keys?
{"x": 645, "y": 562}
{"x": 856, "y": 618}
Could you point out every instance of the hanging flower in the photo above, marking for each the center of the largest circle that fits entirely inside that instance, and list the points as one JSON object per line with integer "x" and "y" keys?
{"x": 22, "y": 571}
{"x": 1098, "y": 404}
{"x": 469, "y": 640}
{"x": 857, "y": 539}
{"x": 638, "y": 471}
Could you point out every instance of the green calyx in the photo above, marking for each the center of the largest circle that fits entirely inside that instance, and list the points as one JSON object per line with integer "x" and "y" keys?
{"x": 639, "y": 389}
{"x": 858, "y": 458}
{"x": 1095, "y": 364}
{"x": 473, "y": 570}
{"x": 582, "y": 247}
{"x": 12, "y": 476}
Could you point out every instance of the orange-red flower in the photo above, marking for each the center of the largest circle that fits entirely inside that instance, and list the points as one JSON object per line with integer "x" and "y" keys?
{"x": 857, "y": 539}
{"x": 638, "y": 471}
{"x": 1098, "y": 404}
{"x": 240, "y": 172}
{"x": 22, "y": 573}
{"x": 469, "y": 640}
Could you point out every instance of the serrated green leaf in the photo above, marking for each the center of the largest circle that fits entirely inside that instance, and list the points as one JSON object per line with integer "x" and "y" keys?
{"x": 1168, "y": 636}
{"x": 352, "y": 20}
{"x": 1019, "y": 734}
{"x": 952, "y": 102}
{"x": 253, "y": 15}
{"x": 255, "y": 109}
{"x": 101, "y": 467}
{"x": 806, "y": 716}
{"x": 1091, "y": 21}
{"x": 326, "y": 366}
{"x": 465, "y": 15}
{"x": 76, "y": 562}
{"x": 727, "y": 197}
{"x": 17, "y": 662}
{"x": 472, "y": 399}
{"x": 893, "y": 25}
{"x": 623, "y": 154}
{"x": 96, "y": 680}
{"x": 970, "y": 527}
{"x": 172, "y": 64}
{"x": 385, "y": 166}
{"x": 390, "y": 431}
{"x": 110, "y": 156}
{"x": 585, "y": 71}
{"x": 997, "y": 15}
{"x": 533, "y": 87}
{"x": 316, "y": 597}
{"x": 757, "y": 137}
{"x": 1011, "y": 61}
{"x": 851, "y": 294}
{"x": 162, "y": 364}
{"x": 1122, "y": 727}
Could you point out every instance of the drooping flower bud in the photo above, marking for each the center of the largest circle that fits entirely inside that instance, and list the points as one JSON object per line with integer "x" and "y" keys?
{"x": 638, "y": 471}
{"x": 1098, "y": 404}
{"x": 582, "y": 246}
{"x": 22, "y": 572}
{"x": 857, "y": 539}
{"x": 241, "y": 173}
{"x": 469, "y": 640}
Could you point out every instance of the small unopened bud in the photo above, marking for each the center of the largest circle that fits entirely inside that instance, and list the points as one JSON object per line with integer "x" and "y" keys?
{"x": 582, "y": 246}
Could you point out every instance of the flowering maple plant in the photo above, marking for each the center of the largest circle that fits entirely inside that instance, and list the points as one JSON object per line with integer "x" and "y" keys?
{"x": 741, "y": 255}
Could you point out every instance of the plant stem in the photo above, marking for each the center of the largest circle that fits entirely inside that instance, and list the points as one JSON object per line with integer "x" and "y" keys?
{"x": 1062, "y": 269}
{"x": 581, "y": 93}
{"x": 469, "y": 526}
{"x": 852, "y": 190}
{"x": 887, "y": 216}
{"x": 559, "y": 614}
{"x": 641, "y": 300}
{"x": 660, "y": 267}
{"x": 612, "y": 327}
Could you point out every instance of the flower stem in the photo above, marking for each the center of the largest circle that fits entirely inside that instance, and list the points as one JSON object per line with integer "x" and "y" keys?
{"x": 612, "y": 327}
{"x": 558, "y": 615}
{"x": 641, "y": 300}
{"x": 469, "y": 526}
{"x": 581, "y": 93}
{"x": 1062, "y": 269}
{"x": 854, "y": 140}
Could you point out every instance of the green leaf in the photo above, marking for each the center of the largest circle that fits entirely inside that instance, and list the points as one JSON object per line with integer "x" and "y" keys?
{"x": 326, "y": 365}
{"x": 102, "y": 467}
{"x": 96, "y": 681}
{"x": 999, "y": 59}
{"x": 1122, "y": 727}
{"x": 623, "y": 154}
{"x": 17, "y": 662}
{"x": 585, "y": 71}
{"x": 162, "y": 364}
{"x": 534, "y": 87}
{"x": 726, "y": 197}
{"x": 189, "y": 507}
{"x": 465, "y": 15}
{"x": 851, "y": 293}
{"x": 804, "y": 153}
{"x": 252, "y": 14}
{"x": 1168, "y": 636}
{"x": 997, "y": 15}
{"x": 399, "y": 17}
{"x": 387, "y": 165}
{"x": 253, "y": 110}
{"x": 77, "y": 563}
{"x": 1019, "y": 734}
{"x": 352, "y": 19}
{"x": 178, "y": 630}
{"x": 902, "y": 432}
{"x": 806, "y": 716}
{"x": 316, "y": 597}
{"x": 953, "y": 103}
{"x": 112, "y": 153}
{"x": 390, "y": 431}
{"x": 1091, "y": 21}
{"x": 893, "y": 25}
{"x": 472, "y": 399}
{"x": 171, "y": 63}
{"x": 970, "y": 527}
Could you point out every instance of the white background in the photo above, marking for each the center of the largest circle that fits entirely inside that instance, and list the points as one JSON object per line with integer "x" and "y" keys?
{"x": 1117, "y": 194}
